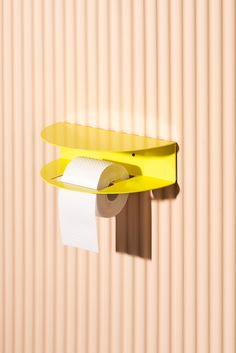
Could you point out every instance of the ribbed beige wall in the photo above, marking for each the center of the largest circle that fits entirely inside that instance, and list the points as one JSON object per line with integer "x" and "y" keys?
{"x": 159, "y": 68}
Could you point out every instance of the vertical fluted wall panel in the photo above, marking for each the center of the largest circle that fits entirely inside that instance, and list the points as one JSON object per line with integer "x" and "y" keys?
{"x": 151, "y": 67}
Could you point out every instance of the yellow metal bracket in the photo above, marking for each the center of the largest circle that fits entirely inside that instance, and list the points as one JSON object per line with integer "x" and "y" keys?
{"x": 151, "y": 163}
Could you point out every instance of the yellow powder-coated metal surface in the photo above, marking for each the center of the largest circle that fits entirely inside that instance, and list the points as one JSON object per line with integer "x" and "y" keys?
{"x": 89, "y": 138}
{"x": 150, "y": 162}
{"x": 134, "y": 184}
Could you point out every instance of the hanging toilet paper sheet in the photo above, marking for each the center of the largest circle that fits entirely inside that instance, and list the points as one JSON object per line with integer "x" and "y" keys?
{"x": 78, "y": 211}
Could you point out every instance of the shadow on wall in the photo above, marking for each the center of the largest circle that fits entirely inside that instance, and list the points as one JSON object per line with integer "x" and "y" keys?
{"x": 133, "y": 223}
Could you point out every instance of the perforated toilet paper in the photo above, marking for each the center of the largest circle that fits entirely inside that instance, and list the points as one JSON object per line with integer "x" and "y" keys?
{"x": 78, "y": 211}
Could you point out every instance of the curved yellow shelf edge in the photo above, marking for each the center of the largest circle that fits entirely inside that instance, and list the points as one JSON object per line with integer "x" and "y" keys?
{"x": 151, "y": 162}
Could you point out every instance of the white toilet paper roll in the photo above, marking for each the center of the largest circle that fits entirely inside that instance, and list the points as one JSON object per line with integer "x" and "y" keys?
{"x": 78, "y": 210}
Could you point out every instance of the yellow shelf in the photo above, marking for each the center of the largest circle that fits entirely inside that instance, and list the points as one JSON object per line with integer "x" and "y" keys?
{"x": 89, "y": 138}
{"x": 51, "y": 173}
{"x": 151, "y": 162}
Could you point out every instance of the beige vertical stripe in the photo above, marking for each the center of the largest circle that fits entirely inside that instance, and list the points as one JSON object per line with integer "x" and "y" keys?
{"x": 202, "y": 161}
{"x": 190, "y": 169}
{"x": 177, "y": 220}
{"x": 215, "y": 177}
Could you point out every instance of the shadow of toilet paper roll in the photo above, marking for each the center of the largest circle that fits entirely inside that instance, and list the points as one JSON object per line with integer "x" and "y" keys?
{"x": 133, "y": 226}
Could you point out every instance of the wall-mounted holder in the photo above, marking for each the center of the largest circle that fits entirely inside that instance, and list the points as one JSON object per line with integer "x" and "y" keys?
{"x": 150, "y": 162}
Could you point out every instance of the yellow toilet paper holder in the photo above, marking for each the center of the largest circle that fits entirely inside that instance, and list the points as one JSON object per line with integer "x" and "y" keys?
{"x": 151, "y": 162}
